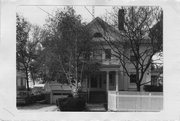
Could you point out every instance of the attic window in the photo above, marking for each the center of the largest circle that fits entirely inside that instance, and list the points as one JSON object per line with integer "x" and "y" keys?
{"x": 97, "y": 34}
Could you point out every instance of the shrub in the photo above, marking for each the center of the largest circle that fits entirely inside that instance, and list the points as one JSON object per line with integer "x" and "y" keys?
{"x": 39, "y": 97}
{"x": 71, "y": 104}
{"x": 152, "y": 88}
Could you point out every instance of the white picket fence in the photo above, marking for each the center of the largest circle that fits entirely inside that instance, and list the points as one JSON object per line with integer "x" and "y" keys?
{"x": 135, "y": 101}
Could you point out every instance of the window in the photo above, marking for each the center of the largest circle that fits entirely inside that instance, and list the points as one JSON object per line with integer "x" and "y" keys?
{"x": 107, "y": 53}
{"x": 133, "y": 78}
{"x": 21, "y": 81}
{"x": 94, "y": 81}
{"x": 112, "y": 78}
{"x": 97, "y": 34}
{"x": 132, "y": 56}
{"x": 97, "y": 54}
{"x": 154, "y": 80}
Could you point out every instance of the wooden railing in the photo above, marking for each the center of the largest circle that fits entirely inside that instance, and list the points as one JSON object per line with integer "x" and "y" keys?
{"x": 135, "y": 101}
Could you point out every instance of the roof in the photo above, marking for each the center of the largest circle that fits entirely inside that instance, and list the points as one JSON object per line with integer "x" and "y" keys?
{"x": 98, "y": 25}
{"x": 58, "y": 86}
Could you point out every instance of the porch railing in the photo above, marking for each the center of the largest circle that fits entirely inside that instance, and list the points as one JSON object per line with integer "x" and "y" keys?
{"x": 135, "y": 101}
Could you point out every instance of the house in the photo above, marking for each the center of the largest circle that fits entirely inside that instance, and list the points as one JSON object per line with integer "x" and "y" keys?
{"x": 111, "y": 84}
{"x": 111, "y": 76}
{"x": 21, "y": 91}
{"x": 157, "y": 77}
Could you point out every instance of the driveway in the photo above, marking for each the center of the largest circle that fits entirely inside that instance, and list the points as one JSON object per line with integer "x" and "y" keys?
{"x": 39, "y": 108}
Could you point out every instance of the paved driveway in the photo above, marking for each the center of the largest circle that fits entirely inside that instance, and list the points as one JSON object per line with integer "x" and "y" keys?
{"x": 39, "y": 108}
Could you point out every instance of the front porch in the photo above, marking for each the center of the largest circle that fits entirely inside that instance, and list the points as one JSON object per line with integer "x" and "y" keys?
{"x": 110, "y": 87}
{"x": 107, "y": 79}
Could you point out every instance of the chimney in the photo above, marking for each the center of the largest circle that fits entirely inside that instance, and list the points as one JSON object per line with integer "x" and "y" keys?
{"x": 121, "y": 19}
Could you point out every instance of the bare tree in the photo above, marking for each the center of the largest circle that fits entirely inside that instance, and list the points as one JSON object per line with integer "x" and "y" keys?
{"x": 141, "y": 33}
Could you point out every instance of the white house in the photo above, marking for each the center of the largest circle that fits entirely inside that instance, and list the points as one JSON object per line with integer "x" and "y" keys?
{"x": 111, "y": 76}
{"x": 111, "y": 84}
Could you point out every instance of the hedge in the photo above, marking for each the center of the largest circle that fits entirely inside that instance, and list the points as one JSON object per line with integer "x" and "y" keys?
{"x": 152, "y": 88}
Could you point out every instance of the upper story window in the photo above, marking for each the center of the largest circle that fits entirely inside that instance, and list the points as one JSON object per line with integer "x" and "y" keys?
{"x": 96, "y": 54}
{"x": 108, "y": 54}
{"x": 97, "y": 34}
{"x": 154, "y": 80}
{"x": 133, "y": 78}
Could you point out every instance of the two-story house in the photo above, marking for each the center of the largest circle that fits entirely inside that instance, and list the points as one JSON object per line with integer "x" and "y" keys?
{"x": 111, "y": 76}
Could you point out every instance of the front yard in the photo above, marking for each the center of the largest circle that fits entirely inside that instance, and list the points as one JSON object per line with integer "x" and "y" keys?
{"x": 53, "y": 108}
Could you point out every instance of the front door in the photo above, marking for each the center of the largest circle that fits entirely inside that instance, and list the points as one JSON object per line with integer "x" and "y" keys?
{"x": 97, "y": 92}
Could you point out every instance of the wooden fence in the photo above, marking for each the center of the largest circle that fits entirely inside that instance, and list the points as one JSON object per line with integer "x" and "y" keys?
{"x": 135, "y": 101}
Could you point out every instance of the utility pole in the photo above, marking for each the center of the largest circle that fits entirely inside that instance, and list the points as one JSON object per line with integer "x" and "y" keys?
{"x": 93, "y": 12}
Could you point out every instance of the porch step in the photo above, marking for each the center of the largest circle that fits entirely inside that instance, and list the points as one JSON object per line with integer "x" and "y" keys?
{"x": 95, "y": 107}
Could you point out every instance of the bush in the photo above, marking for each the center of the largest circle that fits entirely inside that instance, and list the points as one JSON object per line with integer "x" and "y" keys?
{"x": 71, "y": 104}
{"x": 39, "y": 97}
{"x": 152, "y": 88}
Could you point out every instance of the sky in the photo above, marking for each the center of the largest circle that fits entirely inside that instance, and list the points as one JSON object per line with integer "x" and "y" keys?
{"x": 36, "y": 15}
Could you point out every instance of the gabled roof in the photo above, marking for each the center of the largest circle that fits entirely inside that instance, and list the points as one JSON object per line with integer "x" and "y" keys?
{"x": 97, "y": 25}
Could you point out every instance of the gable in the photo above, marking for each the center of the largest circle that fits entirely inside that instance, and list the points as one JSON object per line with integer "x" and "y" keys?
{"x": 101, "y": 27}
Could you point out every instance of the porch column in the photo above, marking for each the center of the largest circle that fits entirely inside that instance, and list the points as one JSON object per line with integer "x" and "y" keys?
{"x": 117, "y": 81}
{"x": 107, "y": 80}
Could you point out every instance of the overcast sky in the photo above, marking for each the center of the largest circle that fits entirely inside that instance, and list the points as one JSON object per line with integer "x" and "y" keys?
{"x": 35, "y": 14}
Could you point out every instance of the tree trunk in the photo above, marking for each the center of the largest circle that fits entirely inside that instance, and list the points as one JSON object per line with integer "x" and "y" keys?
{"x": 138, "y": 87}
{"x": 33, "y": 78}
{"x": 27, "y": 80}
{"x": 137, "y": 81}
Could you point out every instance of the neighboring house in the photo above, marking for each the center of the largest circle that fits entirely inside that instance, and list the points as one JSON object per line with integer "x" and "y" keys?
{"x": 21, "y": 91}
{"x": 156, "y": 77}
{"x": 56, "y": 90}
{"x": 20, "y": 81}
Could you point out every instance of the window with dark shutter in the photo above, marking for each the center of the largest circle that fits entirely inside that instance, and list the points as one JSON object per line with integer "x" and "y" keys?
{"x": 107, "y": 53}
{"x": 133, "y": 78}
